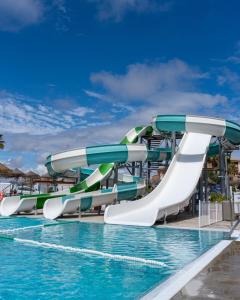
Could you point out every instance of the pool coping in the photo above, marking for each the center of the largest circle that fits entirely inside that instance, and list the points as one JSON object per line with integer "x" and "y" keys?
{"x": 176, "y": 282}
{"x": 195, "y": 228}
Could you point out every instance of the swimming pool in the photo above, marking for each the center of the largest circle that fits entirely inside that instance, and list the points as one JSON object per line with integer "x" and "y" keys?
{"x": 53, "y": 262}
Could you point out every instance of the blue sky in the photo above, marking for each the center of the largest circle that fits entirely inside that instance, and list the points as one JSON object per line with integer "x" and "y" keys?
{"x": 77, "y": 73}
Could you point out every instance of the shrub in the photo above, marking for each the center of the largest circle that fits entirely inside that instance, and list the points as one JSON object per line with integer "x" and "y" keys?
{"x": 217, "y": 197}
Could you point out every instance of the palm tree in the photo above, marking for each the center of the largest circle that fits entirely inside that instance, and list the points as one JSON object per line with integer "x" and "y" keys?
{"x": 1, "y": 142}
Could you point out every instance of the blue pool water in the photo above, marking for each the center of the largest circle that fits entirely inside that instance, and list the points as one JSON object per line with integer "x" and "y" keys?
{"x": 36, "y": 272}
{"x": 11, "y": 222}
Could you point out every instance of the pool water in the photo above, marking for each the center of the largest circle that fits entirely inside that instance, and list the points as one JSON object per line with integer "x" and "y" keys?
{"x": 37, "y": 272}
{"x": 20, "y": 222}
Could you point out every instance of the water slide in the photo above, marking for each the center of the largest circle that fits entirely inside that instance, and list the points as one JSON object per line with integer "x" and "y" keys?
{"x": 86, "y": 194}
{"x": 119, "y": 153}
{"x": 182, "y": 176}
{"x": 133, "y": 187}
{"x": 60, "y": 162}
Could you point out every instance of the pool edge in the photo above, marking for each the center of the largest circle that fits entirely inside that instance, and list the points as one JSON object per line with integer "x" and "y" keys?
{"x": 176, "y": 282}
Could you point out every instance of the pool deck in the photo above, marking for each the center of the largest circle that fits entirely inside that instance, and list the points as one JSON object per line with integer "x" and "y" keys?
{"x": 183, "y": 221}
{"x": 219, "y": 280}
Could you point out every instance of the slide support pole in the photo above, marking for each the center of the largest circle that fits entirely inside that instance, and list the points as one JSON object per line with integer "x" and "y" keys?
{"x": 148, "y": 165}
{"x": 205, "y": 181}
{"x": 201, "y": 188}
{"x": 222, "y": 167}
{"x": 228, "y": 190}
{"x": 115, "y": 179}
{"x": 133, "y": 168}
{"x": 140, "y": 163}
{"x": 140, "y": 169}
{"x": 173, "y": 144}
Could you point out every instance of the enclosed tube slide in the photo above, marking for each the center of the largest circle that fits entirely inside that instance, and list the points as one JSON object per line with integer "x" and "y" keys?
{"x": 84, "y": 157}
{"x": 182, "y": 176}
{"x": 53, "y": 208}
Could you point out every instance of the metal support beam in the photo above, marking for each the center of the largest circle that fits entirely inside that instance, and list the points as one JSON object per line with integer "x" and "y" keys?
{"x": 222, "y": 167}
{"x": 133, "y": 168}
{"x": 228, "y": 190}
{"x": 129, "y": 170}
{"x": 148, "y": 165}
{"x": 205, "y": 181}
{"x": 115, "y": 179}
{"x": 140, "y": 169}
{"x": 173, "y": 144}
{"x": 79, "y": 175}
{"x": 200, "y": 188}
{"x": 141, "y": 163}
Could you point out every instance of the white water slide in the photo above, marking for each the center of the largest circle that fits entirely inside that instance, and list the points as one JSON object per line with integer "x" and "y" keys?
{"x": 182, "y": 176}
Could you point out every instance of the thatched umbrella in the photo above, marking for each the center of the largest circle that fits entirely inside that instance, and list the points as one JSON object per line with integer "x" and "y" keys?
{"x": 5, "y": 171}
{"x": 31, "y": 176}
{"x": 18, "y": 173}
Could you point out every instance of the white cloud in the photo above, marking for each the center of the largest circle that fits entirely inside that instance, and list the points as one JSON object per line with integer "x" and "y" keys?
{"x": 15, "y": 162}
{"x": 97, "y": 95}
{"x": 81, "y": 111}
{"x": 234, "y": 59}
{"x": 142, "y": 81}
{"x": 144, "y": 91}
{"x": 62, "y": 17}
{"x": 102, "y": 133}
{"x": 230, "y": 78}
{"x": 37, "y": 119}
{"x": 117, "y": 9}
{"x": 60, "y": 5}
{"x": 158, "y": 88}
{"x": 119, "y": 107}
{"x": 16, "y": 14}
{"x": 40, "y": 169}
{"x": 228, "y": 75}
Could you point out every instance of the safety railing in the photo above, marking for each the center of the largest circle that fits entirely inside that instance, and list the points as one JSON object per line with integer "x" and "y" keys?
{"x": 236, "y": 197}
{"x": 209, "y": 213}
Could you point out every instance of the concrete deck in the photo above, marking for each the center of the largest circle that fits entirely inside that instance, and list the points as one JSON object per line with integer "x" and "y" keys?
{"x": 85, "y": 217}
{"x": 219, "y": 280}
{"x": 181, "y": 221}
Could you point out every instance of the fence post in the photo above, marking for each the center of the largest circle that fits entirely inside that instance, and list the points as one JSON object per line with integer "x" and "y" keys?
{"x": 199, "y": 213}
{"x": 216, "y": 210}
{"x": 209, "y": 213}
